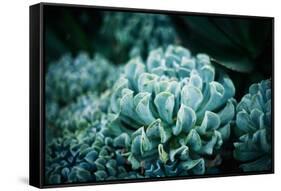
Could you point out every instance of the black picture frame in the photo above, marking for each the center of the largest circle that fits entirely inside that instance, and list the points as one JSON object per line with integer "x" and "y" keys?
{"x": 37, "y": 96}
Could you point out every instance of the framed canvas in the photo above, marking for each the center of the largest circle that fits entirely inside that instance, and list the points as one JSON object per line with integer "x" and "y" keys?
{"x": 123, "y": 95}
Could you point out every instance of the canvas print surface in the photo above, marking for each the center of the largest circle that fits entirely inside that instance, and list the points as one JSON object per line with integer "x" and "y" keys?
{"x": 132, "y": 95}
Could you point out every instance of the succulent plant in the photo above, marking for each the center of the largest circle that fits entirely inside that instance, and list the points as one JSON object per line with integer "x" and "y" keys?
{"x": 143, "y": 106}
{"x": 65, "y": 158}
{"x": 175, "y": 108}
{"x": 85, "y": 156}
{"x": 253, "y": 128}
{"x": 70, "y": 77}
{"x": 137, "y": 33}
{"x": 84, "y": 149}
{"x": 85, "y": 112}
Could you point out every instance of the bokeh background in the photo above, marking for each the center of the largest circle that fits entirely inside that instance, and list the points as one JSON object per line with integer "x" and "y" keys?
{"x": 242, "y": 46}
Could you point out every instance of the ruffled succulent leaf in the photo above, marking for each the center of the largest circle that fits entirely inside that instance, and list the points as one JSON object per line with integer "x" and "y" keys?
{"x": 197, "y": 166}
{"x": 91, "y": 157}
{"x": 146, "y": 82}
{"x": 143, "y": 108}
{"x": 140, "y": 143}
{"x": 157, "y": 130}
{"x": 122, "y": 140}
{"x": 185, "y": 120}
{"x": 210, "y": 122}
{"x": 191, "y": 96}
{"x": 165, "y": 103}
{"x": 193, "y": 140}
{"x": 227, "y": 113}
{"x": 181, "y": 153}
{"x": 163, "y": 156}
{"x": 215, "y": 142}
{"x": 117, "y": 92}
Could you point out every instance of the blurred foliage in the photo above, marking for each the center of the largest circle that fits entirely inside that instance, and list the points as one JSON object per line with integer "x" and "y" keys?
{"x": 69, "y": 30}
{"x": 71, "y": 77}
{"x": 239, "y": 45}
{"x": 235, "y": 43}
{"x": 135, "y": 34}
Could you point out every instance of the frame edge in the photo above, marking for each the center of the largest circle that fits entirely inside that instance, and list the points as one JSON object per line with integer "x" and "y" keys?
{"x": 35, "y": 175}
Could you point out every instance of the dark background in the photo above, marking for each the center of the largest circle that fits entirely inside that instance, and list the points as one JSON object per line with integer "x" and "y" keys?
{"x": 240, "y": 45}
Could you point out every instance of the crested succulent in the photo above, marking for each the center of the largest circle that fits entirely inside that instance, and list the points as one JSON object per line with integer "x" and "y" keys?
{"x": 70, "y": 77}
{"x": 175, "y": 108}
{"x": 86, "y": 111}
{"x": 253, "y": 128}
{"x": 85, "y": 156}
{"x": 137, "y": 33}
{"x": 65, "y": 158}
{"x": 84, "y": 150}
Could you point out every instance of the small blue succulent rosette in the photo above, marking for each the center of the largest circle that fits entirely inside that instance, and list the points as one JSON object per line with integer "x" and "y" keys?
{"x": 253, "y": 128}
